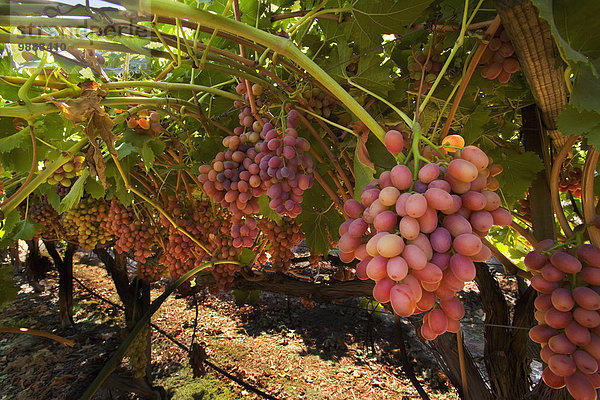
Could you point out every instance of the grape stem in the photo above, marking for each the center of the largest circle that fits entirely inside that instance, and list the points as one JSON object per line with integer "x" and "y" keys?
{"x": 23, "y": 92}
{"x": 587, "y": 195}
{"x": 457, "y": 45}
{"x": 554, "y": 179}
{"x": 27, "y": 331}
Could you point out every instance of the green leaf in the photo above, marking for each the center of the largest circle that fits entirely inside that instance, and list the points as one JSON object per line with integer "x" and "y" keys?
{"x": 572, "y": 121}
{"x": 8, "y": 288}
{"x": 585, "y": 91}
{"x": 125, "y": 149}
{"x": 50, "y": 192}
{"x": 75, "y": 194}
{"x": 372, "y": 75}
{"x": 240, "y": 296}
{"x": 473, "y": 129}
{"x": 26, "y": 230}
{"x": 363, "y": 175}
{"x": 8, "y": 227}
{"x": 247, "y": 256}
{"x": 519, "y": 171}
{"x": 13, "y": 141}
{"x": 374, "y": 18}
{"x": 265, "y": 210}
{"x": 94, "y": 188}
{"x": 319, "y": 217}
{"x": 147, "y": 156}
{"x": 569, "y": 23}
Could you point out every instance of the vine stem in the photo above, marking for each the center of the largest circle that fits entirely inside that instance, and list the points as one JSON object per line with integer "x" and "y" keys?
{"x": 157, "y": 207}
{"x": 172, "y": 86}
{"x": 213, "y": 37}
{"x": 27, "y": 331}
{"x": 587, "y": 195}
{"x": 328, "y": 152}
{"x": 469, "y": 73}
{"x": 461, "y": 361}
{"x": 279, "y": 44}
{"x": 114, "y": 361}
{"x": 23, "y": 92}
{"x": 554, "y": 180}
{"x": 26, "y": 190}
{"x": 526, "y": 233}
{"x": 457, "y": 45}
{"x": 320, "y": 117}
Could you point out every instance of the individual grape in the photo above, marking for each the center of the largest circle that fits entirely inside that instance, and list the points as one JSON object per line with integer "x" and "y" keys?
{"x": 589, "y": 254}
{"x": 394, "y": 141}
{"x": 462, "y": 170}
{"x": 552, "y": 380}
{"x": 580, "y": 387}
{"x": 467, "y": 244}
{"x": 353, "y": 208}
{"x": 560, "y": 344}
{"x": 402, "y": 300}
{"x": 414, "y": 256}
{"x": 562, "y": 299}
{"x": 397, "y": 268}
{"x": 390, "y": 245}
{"x": 451, "y": 142}
{"x": 401, "y": 177}
{"x": 586, "y": 298}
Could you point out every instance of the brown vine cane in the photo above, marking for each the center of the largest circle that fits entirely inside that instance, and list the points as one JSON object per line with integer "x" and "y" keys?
{"x": 587, "y": 195}
{"x": 554, "y": 180}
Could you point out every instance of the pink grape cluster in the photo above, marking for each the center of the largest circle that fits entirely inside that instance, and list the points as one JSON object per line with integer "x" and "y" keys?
{"x": 244, "y": 231}
{"x": 285, "y": 166}
{"x": 498, "y": 58}
{"x": 277, "y": 164}
{"x": 418, "y": 238}
{"x": 130, "y": 232}
{"x": 568, "y": 315}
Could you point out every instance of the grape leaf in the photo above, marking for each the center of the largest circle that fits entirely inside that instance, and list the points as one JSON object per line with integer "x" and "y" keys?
{"x": 263, "y": 203}
{"x": 585, "y": 91}
{"x": 363, "y": 175}
{"x": 13, "y": 141}
{"x": 74, "y": 194}
{"x": 372, "y": 75}
{"x": 473, "y": 129}
{"x": 519, "y": 171}
{"x": 8, "y": 227}
{"x": 94, "y": 188}
{"x": 319, "y": 217}
{"x": 147, "y": 156}
{"x": 374, "y": 18}
{"x": 572, "y": 121}
{"x": 26, "y": 230}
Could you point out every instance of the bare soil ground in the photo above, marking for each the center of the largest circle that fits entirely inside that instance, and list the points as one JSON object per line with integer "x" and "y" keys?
{"x": 332, "y": 351}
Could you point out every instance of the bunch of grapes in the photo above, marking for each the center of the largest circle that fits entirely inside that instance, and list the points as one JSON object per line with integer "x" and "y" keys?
{"x": 283, "y": 236}
{"x": 278, "y": 164}
{"x": 321, "y": 103}
{"x": 285, "y": 166}
{"x": 257, "y": 90}
{"x": 62, "y": 191}
{"x": 417, "y": 239}
{"x": 44, "y": 214}
{"x": 146, "y": 124}
{"x": 417, "y": 62}
{"x": 137, "y": 352}
{"x": 130, "y": 232}
{"x": 151, "y": 270}
{"x": 84, "y": 223}
{"x": 244, "y": 231}
{"x": 66, "y": 172}
{"x": 525, "y": 207}
{"x": 224, "y": 250}
{"x": 498, "y": 58}
{"x": 568, "y": 315}
{"x": 570, "y": 181}
{"x": 181, "y": 253}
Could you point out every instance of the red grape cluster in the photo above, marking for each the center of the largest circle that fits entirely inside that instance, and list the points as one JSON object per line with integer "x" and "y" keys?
{"x": 84, "y": 222}
{"x": 525, "y": 207}
{"x": 257, "y": 90}
{"x": 181, "y": 253}
{"x": 279, "y": 165}
{"x": 66, "y": 172}
{"x": 43, "y": 213}
{"x": 130, "y": 232}
{"x": 570, "y": 181}
{"x": 568, "y": 315}
{"x": 498, "y": 56}
{"x": 417, "y": 62}
{"x": 285, "y": 166}
{"x": 151, "y": 271}
{"x": 321, "y": 103}
{"x": 283, "y": 236}
{"x": 418, "y": 238}
{"x": 243, "y": 231}
{"x": 146, "y": 124}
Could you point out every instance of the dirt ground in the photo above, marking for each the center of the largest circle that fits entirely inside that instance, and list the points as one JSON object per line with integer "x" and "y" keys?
{"x": 289, "y": 350}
